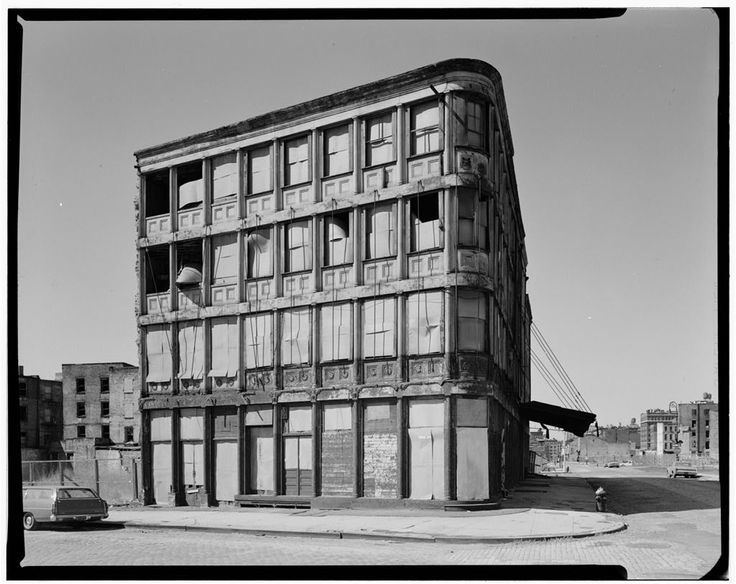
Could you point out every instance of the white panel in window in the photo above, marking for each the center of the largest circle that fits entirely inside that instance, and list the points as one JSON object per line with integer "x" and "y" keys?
{"x": 300, "y": 420}
{"x": 424, "y": 314}
{"x": 338, "y": 245}
{"x": 191, "y": 351}
{"x": 297, "y": 161}
{"x": 381, "y": 235}
{"x": 337, "y": 151}
{"x": 379, "y": 140}
{"x": 425, "y": 128}
{"x": 258, "y": 341}
{"x": 260, "y": 170}
{"x": 259, "y": 253}
{"x": 158, "y": 354}
{"x": 225, "y": 347}
{"x": 160, "y": 426}
{"x": 338, "y": 417}
{"x": 299, "y": 247}
{"x": 224, "y": 176}
{"x": 191, "y": 424}
{"x": 378, "y": 327}
{"x": 193, "y": 455}
{"x": 336, "y": 331}
{"x": 295, "y": 336}
{"x": 471, "y": 312}
{"x": 224, "y": 258}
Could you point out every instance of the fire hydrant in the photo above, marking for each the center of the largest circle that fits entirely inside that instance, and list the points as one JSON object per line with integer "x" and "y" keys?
{"x": 600, "y": 499}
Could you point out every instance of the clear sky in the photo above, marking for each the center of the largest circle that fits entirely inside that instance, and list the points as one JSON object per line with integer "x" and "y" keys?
{"x": 614, "y": 128}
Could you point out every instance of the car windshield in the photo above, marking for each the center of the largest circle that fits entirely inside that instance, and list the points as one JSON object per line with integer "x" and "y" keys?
{"x": 76, "y": 494}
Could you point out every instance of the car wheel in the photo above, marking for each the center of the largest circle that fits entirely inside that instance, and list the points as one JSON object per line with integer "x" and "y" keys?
{"x": 29, "y": 522}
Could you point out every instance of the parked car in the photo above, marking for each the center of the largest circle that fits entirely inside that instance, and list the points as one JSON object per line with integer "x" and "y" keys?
{"x": 627, "y": 463}
{"x": 57, "y": 503}
{"x": 682, "y": 469}
{"x": 612, "y": 464}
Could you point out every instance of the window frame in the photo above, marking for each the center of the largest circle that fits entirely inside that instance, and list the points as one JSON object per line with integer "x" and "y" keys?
{"x": 293, "y": 339}
{"x": 249, "y": 271}
{"x": 484, "y": 103}
{"x": 327, "y": 260}
{"x": 393, "y": 230}
{"x": 104, "y": 385}
{"x": 411, "y": 130}
{"x": 307, "y": 244}
{"x": 81, "y": 385}
{"x": 81, "y": 407}
{"x": 367, "y": 142}
{"x": 392, "y": 331}
{"x": 81, "y": 431}
{"x": 285, "y": 175}
{"x": 324, "y": 135}
{"x": 211, "y": 176}
{"x": 414, "y": 200}
{"x": 248, "y": 171}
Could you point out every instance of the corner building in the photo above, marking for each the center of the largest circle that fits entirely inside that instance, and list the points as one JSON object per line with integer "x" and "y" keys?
{"x": 332, "y": 301}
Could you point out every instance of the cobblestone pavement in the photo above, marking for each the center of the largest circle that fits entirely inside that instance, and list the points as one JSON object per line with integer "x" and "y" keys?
{"x": 672, "y": 545}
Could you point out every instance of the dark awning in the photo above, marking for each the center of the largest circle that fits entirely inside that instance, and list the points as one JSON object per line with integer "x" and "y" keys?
{"x": 575, "y": 421}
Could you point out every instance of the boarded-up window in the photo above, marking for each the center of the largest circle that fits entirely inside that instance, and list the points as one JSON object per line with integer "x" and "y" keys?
{"x": 295, "y": 336}
{"x": 298, "y": 247}
{"x": 191, "y": 351}
{"x": 336, "y": 324}
{"x": 259, "y": 253}
{"x": 259, "y": 416}
{"x": 225, "y": 422}
{"x": 158, "y": 354}
{"x": 190, "y": 185}
{"x": 296, "y": 161}
{"x": 224, "y": 176}
{"x": 471, "y": 320}
{"x": 160, "y": 426}
{"x": 378, "y": 327}
{"x": 379, "y": 140}
{"x": 380, "y": 232}
{"x": 224, "y": 258}
{"x": 225, "y": 347}
{"x": 191, "y": 424}
{"x": 298, "y": 465}
{"x": 226, "y": 470}
{"x": 193, "y": 464}
{"x": 472, "y": 448}
{"x": 161, "y": 472}
{"x": 260, "y": 453}
{"x": 380, "y": 450}
{"x": 426, "y": 449}
{"x": 424, "y": 315}
{"x": 337, "y": 450}
{"x": 259, "y": 170}
{"x": 425, "y": 222}
{"x": 337, "y": 150}
{"x": 338, "y": 244}
{"x": 424, "y": 127}
{"x": 258, "y": 341}
{"x": 299, "y": 420}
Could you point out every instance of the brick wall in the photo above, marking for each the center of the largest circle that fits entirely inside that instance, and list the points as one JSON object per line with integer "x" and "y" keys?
{"x": 380, "y": 477}
{"x": 337, "y": 462}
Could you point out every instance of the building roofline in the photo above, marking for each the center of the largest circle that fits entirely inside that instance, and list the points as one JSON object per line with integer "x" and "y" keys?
{"x": 119, "y": 363}
{"x": 340, "y": 98}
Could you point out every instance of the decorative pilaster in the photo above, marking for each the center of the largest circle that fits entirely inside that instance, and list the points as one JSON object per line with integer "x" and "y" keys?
{"x": 401, "y": 143}
{"x": 401, "y": 458}
{"x": 357, "y": 159}
{"x": 449, "y": 451}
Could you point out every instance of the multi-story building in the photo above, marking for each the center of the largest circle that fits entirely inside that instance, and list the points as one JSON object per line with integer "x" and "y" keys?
{"x": 332, "y": 299}
{"x": 698, "y": 421}
{"x": 659, "y": 431}
{"x": 40, "y": 409}
{"x": 100, "y": 406}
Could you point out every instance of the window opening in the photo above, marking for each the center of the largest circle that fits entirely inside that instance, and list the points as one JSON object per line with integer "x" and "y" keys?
{"x": 296, "y": 161}
{"x": 424, "y": 212}
{"x": 338, "y": 243}
{"x": 191, "y": 351}
{"x": 380, "y": 232}
{"x": 298, "y": 246}
{"x": 81, "y": 431}
{"x": 80, "y": 385}
{"x": 157, "y": 274}
{"x": 104, "y": 384}
{"x": 379, "y": 327}
{"x": 424, "y": 128}
{"x": 105, "y": 431}
{"x": 379, "y": 140}
{"x": 471, "y": 317}
{"x": 337, "y": 150}
{"x": 23, "y": 414}
{"x": 224, "y": 258}
{"x": 81, "y": 410}
{"x": 472, "y": 120}
{"x": 105, "y": 408}
{"x": 259, "y": 253}
{"x": 189, "y": 258}
{"x": 258, "y": 335}
{"x": 129, "y": 434}
{"x": 336, "y": 331}
{"x": 157, "y": 193}
{"x": 424, "y": 312}
{"x": 259, "y": 170}
{"x": 295, "y": 335}
{"x": 190, "y": 186}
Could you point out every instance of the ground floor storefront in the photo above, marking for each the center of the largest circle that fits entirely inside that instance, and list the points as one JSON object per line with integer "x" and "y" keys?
{"x": 376, "y": 447}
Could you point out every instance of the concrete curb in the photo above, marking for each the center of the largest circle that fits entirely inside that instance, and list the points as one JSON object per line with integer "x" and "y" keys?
{"x": 447, "y": 539}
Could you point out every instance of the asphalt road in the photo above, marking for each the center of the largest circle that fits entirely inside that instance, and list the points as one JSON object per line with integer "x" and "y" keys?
{"x": 673, "y": 532}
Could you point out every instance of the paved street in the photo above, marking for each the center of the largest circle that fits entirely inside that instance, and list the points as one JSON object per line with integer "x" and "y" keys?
{"x": 674, "y": 532}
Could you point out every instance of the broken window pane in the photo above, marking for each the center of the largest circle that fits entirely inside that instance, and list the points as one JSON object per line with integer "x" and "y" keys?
{"x": 424, "y": 127}
{"x": 189, "y": 263}
{"x": 380, "y": 232}
{"x": 224, "y": 258}
{"x": 224, "y": 176}
{"x": 225, "y": 347}
{"x": 259, "y": 253}
{"x": 259, "y": 170}
{"x": 379, "y": 140}
{"x": 471, "y": 317}
{"x": 258, "y": 341}
{"x": 424, "y": 315}
{"x": 158, "y": 354}
{"x": 157, "y": 193}
{"x": 156, "y": 262}
{"x": 191, "y": 351}
{"x": 471, "y": 118}
{"x": 298, "y": 247}
{"x": 337, "y": 150}
{"x": 296, "y": 161}
{"x": 295, "y": 336}
{"x": 190, "y": 186}
{"x": 425, "y": 222}
{"x": 378, "y": 327}
{"x": 338, "y": 244}
{"x": 336, "y": 331}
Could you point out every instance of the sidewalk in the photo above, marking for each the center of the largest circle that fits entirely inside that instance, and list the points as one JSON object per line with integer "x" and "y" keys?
{"x": 538, "y": 509}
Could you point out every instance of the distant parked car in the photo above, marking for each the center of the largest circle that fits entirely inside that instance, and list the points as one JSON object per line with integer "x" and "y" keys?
{"x": 682, "y": 469}
{"x": 56, "y": 503}
{"x": 627, "y": 463}
{"x": 612, "y": 464}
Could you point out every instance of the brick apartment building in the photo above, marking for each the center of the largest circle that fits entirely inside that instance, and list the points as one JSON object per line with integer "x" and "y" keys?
{"x": 40, "y": 411}
{"x": 332, "y": 300}
{"x": 698, "y": 423}
{"x": 659, "y": 431}
{"x": 100, "y": 406}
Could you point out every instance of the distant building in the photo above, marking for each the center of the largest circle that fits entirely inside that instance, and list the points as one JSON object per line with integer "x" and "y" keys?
{"x": 40, "y": 408}
{"x": 698, "y": 423}
{"x": 100, "y": 406}
{"x": 630, "y": 435}
{"x": 658, "y": 429}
